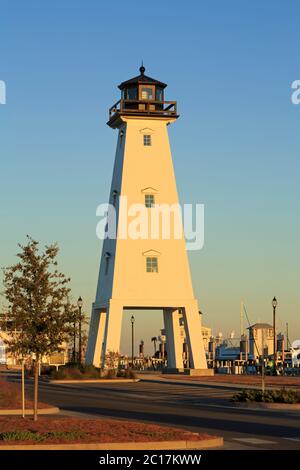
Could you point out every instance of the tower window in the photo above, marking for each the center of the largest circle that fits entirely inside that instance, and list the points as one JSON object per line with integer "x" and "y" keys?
{"x": 147, "y": 140}
{"x": 114, "y": 195}
{"x": 121, "y": 136}
{"x": 107, "y": 258}
{"x": 149, "y": 200}
{"x": 151, "y": 265}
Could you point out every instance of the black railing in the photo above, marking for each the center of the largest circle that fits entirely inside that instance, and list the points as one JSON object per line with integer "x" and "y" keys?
{"x": 165, "y": 108}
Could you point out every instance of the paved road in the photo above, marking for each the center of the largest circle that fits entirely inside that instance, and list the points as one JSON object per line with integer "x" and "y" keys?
{"x": 197, "y": 408}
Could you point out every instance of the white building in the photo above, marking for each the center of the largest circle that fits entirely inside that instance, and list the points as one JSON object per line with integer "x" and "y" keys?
{"x": 261, "y": 337}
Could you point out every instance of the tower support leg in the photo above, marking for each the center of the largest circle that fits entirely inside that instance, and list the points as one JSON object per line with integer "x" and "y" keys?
{"x": 194, "y": 338}
{"x": 96, "y": 334}
{"x": 174, "y": 341}
{"x": 112, "y": 334}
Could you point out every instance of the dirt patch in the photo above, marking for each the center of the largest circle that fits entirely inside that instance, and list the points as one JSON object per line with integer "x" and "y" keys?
{"x": 65, "y": 430}
{"x": 11, "y": 397}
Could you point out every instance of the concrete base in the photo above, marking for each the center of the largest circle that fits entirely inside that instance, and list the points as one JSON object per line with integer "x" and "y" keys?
{"x": 41, "y": 411}
{"x": 192, "y": 372}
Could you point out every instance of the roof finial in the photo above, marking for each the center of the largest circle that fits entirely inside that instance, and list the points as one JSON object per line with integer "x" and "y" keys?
{"x": 142, "y": 68}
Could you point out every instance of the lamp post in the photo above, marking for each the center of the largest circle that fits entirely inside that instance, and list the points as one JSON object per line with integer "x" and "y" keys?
{"x": 132, "y": 338}
{"x": 274, "y": 304}
{"x": 74, "y": 338}
{"x": 263, "y": 361}
{"x": 79, "y": 305}
{"x": 163, "y": 341}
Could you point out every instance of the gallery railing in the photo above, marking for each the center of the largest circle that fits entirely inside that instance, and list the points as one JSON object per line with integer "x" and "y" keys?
{"x": 167, "y": 108}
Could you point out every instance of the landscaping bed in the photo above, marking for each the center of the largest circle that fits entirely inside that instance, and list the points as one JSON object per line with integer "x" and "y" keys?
{"x": 65, "y": 430}
{"x": 282, "y": 396}
{"x": 255, "y": 380}
{"x": 11, "y": 397}
{"x": 75, "y": 372}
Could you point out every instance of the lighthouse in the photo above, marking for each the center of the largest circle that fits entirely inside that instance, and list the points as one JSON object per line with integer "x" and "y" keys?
{"x": 144, "y": 273}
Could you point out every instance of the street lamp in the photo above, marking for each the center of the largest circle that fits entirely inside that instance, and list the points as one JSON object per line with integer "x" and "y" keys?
{"x": 74, "y": 337}
{"x": 163, "y": 339}
{"x": 132, "y": 338}
{"x": 274, "y": 304}
{"x": 79, "y": 305}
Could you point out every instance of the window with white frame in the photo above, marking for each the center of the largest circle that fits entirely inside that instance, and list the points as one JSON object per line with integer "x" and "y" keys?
{"x": 149, "y": 200}
{"x": 151, "y": 264}
{"x": 147, "y": 140}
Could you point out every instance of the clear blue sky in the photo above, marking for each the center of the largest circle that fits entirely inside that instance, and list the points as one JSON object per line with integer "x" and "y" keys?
{"x": 236, "y": 146}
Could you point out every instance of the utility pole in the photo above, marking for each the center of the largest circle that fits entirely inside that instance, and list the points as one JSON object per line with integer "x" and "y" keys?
{"x": 263, "y": 362}
{"x": 23, "y": 388}
{"x": 79, "y": 305}
{"x": 242, "y": 318}
{"x": 274, "y": 304}
{"x": 74, "y": 339}
{"x": 132, "y": 339}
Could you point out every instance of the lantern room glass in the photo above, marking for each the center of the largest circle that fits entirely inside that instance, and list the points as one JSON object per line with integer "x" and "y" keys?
{"x": 159, "y": 94}
{"x": 147, "y": 93}
{"x": 129, "y": 93}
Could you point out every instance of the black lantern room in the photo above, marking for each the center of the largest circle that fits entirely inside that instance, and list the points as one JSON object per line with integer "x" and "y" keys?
{"x": 142, "y": 88}
{"x": 141, "y": 96}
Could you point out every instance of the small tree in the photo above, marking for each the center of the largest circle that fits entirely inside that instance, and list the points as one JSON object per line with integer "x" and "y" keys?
{"x": 112, "y": 360}
{"x": 38, "y": 319}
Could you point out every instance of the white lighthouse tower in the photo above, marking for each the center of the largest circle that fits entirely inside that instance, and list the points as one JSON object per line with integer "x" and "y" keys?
{"x": 147, "y": 272}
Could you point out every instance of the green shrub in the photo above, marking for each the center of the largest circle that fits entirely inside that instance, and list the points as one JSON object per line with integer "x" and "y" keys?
{"x": 91, "y": 372}
{"x": 80, "y": 372}
{"x": 67, "y": 372}
{"x": 109, "y": 374}
{"x": 47, "y": 370}
{"x": 286, "y": 396}
{"x": 21, "y": 436}
{"x": 126, "y": 373}
{"x": 269, "y": 396}
{"x": 75, "y": 372}
{"x": 38, "y": 437}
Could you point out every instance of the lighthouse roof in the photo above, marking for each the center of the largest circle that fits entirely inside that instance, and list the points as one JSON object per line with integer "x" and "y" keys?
{"x": 142, "y": 78}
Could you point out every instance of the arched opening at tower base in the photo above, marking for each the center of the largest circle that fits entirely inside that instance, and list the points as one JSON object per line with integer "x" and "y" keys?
{"x": 142, "y": 337}
{"x": 147, "y": 338}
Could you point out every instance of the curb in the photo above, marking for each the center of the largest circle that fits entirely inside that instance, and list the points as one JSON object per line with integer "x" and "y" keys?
{"x": 155, "y": 445}
{"x": 208, "y": 384}
{"x": 93, "y": 381}
{"x": 270, "y": 406}
{"x": 194, "y": 383}
{"x": 41, "y": 411}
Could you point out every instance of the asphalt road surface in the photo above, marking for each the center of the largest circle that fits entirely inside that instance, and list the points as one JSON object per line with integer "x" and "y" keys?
{"x": 200, "y": 408}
